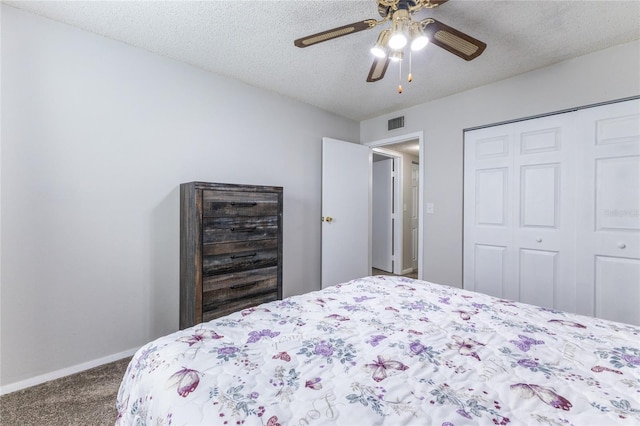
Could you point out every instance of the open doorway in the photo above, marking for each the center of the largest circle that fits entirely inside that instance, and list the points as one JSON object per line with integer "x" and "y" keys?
{"x": 402, "y": 160}
{"x": 384, "y": 209}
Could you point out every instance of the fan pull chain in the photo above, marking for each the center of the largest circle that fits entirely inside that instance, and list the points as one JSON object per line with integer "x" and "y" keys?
{"x": 400, "y": 76}
{"x": 410, "y": 77}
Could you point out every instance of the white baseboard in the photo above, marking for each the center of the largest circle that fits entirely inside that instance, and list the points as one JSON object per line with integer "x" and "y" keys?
{"x": 407, "y": 271}
{"x": 12, "y": 387}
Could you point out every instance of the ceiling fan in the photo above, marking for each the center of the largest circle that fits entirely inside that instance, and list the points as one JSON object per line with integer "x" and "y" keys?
{"x": 392, "y": 41}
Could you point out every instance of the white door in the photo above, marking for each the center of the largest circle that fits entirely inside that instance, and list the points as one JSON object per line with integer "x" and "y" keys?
{"x": 382, "y": 215}
{"x": 346, "y": 211}
{"x": 552, "y": 211}
{"x": 488, "y": 210}
{"x": 608, "y": 249}
{"x": 519, "y": 236}
{"x": 544, "y": 208}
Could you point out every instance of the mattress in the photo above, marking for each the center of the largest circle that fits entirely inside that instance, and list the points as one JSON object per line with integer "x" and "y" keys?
{"x": 388, "y": 351}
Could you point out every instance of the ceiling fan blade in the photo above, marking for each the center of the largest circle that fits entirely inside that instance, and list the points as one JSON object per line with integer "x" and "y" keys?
{"x": 335, "y": 33}
{"x": 378, "y": 68}
{"x": 456, "y": 42}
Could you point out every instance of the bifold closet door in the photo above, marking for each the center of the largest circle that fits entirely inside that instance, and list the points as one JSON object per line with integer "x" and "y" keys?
{"x": 518, "y": 232}
{"x": 488, "y": 211}
{"x": 608, "y": 223}
{"x": 552, "y": 211}
{"x": 544, "y": 208}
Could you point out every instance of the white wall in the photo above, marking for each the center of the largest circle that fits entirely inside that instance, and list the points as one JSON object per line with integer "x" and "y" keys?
{"x": 602, "y": 76}
{"x": 96, "y": 138}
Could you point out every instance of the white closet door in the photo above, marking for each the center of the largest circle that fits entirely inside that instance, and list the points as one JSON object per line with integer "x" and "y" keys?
{"x": 519, "y": 235}
{"x": 488, "y": 211}
{"x": 544, "y": 200}
{"x": 552, "y": 211}
{"x": 608, "y": 249}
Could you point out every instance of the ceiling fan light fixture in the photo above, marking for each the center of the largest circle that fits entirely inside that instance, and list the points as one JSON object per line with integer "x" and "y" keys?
{"x": 396, "y": 55}
{"x": 397, "y": 41}
{"x": 419, "y": 39}
{"x": 398, "y": 38}
{"x": 379, "y": 50}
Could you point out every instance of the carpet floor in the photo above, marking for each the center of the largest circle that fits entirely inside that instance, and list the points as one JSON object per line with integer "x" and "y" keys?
{"x": 87, "y": 398}
{"x": 375, "y": 271}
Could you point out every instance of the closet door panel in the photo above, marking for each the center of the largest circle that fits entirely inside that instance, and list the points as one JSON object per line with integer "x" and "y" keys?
{"x": 488, "y": 206}
{"x": 617, "y": 208}
{"x": 538, "y": 277}
{"x": 617, "y": 286}
{"x": 544, "y": 232}
{"x": 539, "y": 197}
{"x": 608, "y": 249}
{"x": 490, "y": 267}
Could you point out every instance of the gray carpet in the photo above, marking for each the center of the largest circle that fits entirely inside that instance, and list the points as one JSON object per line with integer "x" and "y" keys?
{"x": 375, "y": 271}
{"x": 84, "y": 399}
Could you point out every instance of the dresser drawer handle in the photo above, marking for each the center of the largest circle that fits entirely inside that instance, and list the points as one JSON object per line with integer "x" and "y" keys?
{"x": 243, "y": 255}
{"x": 236, "y": 286}
{"x": 233, "y": 203}
{"x": 244, "y": 229}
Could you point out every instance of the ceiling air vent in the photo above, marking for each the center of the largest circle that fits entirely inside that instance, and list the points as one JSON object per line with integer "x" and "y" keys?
{"x": 395, "y": 123}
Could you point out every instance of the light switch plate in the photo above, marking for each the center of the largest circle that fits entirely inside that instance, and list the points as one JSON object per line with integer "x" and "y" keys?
{"x": 429, "y": 208}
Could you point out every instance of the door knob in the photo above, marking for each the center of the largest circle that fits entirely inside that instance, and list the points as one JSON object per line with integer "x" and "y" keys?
{"x": 539, "y": 239}
{"x": 621, "y": 245}
{"x": 328, "y": 219}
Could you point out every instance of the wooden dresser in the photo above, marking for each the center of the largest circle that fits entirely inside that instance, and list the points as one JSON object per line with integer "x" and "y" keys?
{"x": 230, "y": 249}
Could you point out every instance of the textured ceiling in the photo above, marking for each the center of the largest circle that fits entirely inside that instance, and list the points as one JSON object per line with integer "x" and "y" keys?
{"x": 252, "y": 41}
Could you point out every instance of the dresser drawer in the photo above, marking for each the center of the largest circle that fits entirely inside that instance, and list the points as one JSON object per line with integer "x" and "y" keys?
{"x": 222, "y": 258}
{"x": 224, "y": 229}
{"x": 219, "y": 288}
{"x": 222, "y": 308}
{"x": 232, "y": 204}
{"x": 224, "y": 294}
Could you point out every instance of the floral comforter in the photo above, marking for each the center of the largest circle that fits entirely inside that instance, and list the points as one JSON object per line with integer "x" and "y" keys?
{"x": 392, "y": 351}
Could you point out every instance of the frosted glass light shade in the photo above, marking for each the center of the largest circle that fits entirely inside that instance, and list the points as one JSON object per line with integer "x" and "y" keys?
{"x": 419, "y": 43}
{"x": 418, "y": 37}
{"x": 378, "y": 51}
{"x": 397, "y": 41}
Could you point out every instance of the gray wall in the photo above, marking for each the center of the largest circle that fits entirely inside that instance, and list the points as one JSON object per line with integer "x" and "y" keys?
{"x": 602, "y": 76}
{"x": 96, "y": 138}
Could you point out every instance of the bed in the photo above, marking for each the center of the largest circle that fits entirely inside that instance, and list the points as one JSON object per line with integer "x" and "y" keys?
{"x": 388, "y": 350}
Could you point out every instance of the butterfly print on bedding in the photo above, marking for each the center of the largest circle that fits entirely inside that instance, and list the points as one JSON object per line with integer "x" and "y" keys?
{"x": 465, "y": 315}
{"x": 375, "y": 340}
{"x": 185, "y": 380}
{"x": 568, "y": 323}
{"x": 273, "y": 421}
{"x": 314, "y": 383}
{"x": 337, "y": 317}
{"x": 381, "y": 366}
{"x": 255, "y": 336}
{"x": 466, "y": 347}
{"x": 283, "y": 356}
{"x": 405, "y": 287}
{"x": 200, "y": 336}
{"x": 600, "y": 369}
{"x": 249, "y": 311}
{"x": 525, "y": 343}
{"x": 546, "y": 395}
